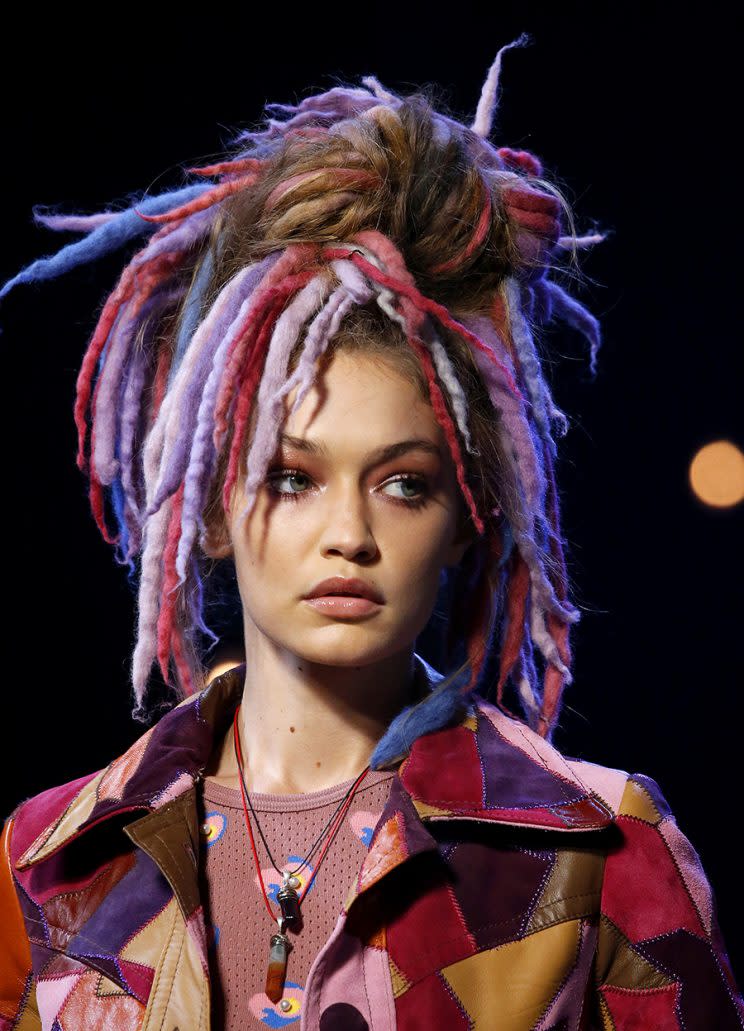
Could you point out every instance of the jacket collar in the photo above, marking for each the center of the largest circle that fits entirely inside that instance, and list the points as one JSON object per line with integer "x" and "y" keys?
{"x": 487, "y": 767}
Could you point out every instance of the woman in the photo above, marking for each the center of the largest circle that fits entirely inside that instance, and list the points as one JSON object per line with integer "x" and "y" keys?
{"x": 322, "y": 372}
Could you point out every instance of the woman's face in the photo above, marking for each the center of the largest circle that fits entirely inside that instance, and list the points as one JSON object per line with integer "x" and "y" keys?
{"x": 341, "y": 510}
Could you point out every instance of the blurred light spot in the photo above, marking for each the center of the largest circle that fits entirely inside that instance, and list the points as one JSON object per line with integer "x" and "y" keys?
{"x": 717, "y": 474}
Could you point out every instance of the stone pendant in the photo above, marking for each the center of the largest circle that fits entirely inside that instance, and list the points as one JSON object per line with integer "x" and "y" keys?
{"x": 277, "y": 972}
{"x": 280, "y": 943}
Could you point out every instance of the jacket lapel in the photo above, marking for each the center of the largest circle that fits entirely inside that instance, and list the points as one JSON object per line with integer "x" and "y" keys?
{"x": 162, "y": 765}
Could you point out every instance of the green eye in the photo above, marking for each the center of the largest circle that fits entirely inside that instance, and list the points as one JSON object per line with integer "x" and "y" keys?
{"x": 285, "y": 474}
{"x": 417, "y": 484}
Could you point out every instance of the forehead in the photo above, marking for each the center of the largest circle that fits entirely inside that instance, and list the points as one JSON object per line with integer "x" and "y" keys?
{"x": 364, "y": 398}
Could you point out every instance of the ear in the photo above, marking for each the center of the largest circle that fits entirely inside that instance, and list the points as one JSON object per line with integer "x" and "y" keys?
{"x": 465, "y": 535}
{"x": 215, "y": 540}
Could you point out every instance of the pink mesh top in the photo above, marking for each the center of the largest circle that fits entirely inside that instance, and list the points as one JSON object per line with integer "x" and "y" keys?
{"x": 238, "y": 926}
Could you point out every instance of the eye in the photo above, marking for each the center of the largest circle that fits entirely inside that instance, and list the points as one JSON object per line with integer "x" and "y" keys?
{"x": 285, "y": 474}
{"x": 418, "y": 484}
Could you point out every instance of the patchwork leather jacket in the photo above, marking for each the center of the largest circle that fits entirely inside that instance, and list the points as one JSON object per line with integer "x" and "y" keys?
{"x": 506, "y": 886}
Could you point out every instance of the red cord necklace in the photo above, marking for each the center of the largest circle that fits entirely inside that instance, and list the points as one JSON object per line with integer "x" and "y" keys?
{"x": 287, "y": 897}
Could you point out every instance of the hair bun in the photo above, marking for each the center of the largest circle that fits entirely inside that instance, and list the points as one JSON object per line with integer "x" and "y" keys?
{"x": 520, "y": 160}
{"x": 536, "y": 218}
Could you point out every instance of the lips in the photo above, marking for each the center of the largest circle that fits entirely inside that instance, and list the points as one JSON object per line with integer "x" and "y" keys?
{"x": 351, "y": 586}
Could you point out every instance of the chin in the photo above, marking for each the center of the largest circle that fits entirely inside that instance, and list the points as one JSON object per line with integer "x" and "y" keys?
{"x": 343, "y": 649}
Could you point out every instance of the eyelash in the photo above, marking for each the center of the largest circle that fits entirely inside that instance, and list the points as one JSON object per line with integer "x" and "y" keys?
{"x": 281, "y": 473}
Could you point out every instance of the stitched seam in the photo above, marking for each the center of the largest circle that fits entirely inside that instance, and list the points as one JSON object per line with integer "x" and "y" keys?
{"x": 513, "y": 808}
{"x": 587, "y": 928}
{"x": 366, "y": 992}
{"x": 69, "y": 935}
{"x": 138, "y": 930}
{"x": 428, "y": 955}
{"x": 89, "y": 967}
{"x": 159, "y": 971}
{"x": 648, "y": 795}
{"x": 570, "y": 970}
{"x": 547, "y": 871}
{"x": 40, "y": 838}
{"x": 19, "y": 980}
{"x": 103, "y": 872}
{"x": 642, "y": 991}
{"x": 572, "y": 776}
{"x": 28, "y": 986}
{"x": 99, "y": 985}
{"x": 479, "y": 716}
{"x": 457, "y": 1002}
{"x": 170, "y": 992}
{"x": 677, "y": 867}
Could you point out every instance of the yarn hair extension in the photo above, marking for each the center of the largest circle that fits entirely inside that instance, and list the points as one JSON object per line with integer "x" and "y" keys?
{"x": 356, "y": 219}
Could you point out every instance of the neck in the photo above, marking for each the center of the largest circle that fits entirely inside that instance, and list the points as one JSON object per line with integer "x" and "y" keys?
{"x": 305, "y": 726}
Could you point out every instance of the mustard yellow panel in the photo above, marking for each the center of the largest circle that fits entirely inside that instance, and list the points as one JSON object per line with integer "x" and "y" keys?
{"x": 30, "y": 1018}
{"x": 424, "y": 809}
{"x": 619, "y": 965}
{"x": 516, "y": 981}
{"x": 400, "y": 984}
{"x": 470, "y": 722}
{"x": 636, "y": 801}
{"x": 146, "y": 947}
{"x": 105, "y": 986}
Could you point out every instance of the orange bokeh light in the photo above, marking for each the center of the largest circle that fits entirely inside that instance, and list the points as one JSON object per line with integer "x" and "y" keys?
{"x": 717, "y": 474}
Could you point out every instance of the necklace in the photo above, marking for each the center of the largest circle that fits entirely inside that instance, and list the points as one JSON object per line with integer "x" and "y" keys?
{"x": 289, "y": 900}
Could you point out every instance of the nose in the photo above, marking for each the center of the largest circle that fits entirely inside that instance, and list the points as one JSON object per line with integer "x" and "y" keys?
{"x": 346, "y": 527}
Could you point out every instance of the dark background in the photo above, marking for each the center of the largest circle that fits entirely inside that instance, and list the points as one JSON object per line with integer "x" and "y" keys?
{"x": 633, "y": 113}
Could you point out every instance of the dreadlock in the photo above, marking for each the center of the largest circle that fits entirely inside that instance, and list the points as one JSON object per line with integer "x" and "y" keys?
{"x": 354, "y": 218}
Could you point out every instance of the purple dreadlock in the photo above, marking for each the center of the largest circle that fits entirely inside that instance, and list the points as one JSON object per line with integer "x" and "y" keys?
{"x": 167, "y": 412}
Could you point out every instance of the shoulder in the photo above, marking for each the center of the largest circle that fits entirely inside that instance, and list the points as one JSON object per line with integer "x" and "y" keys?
{"x": 161, "y": 763}
{"x": 41, "y": 822}
{"x": 608, "y": 783}
{"x": 39, "y": 814}
{"x": 639, "y": 807}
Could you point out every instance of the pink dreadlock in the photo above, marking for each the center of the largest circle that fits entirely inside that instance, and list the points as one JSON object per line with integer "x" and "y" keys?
{"x": 171, "y": 412}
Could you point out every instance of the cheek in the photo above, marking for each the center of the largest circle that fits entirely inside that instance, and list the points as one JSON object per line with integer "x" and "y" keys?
{"x": 418, "y": 562}
{"x": 266, "y": 549}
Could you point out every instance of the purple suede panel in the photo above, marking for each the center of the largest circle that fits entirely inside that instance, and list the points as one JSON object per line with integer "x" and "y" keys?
{"x": 41, "y": 958}
{"x": 515, "y": 781}
{"x": 180, "y": 742}
{"x": 133, "y": 902}
{"x": 33, "y": 916}
{"x": 107, "y": 965}
{"x": 706, "y": 1003}
{"x": 496, "y": 888}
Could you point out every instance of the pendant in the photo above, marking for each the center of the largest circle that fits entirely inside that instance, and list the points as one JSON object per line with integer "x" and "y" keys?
{"x": 276, "y": 974}
{"x": 290, "y": 905}
{"x": 280, "y": 944}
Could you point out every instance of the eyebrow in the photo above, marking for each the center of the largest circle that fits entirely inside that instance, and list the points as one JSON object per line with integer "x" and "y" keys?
{"x": 376, "y": 457}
